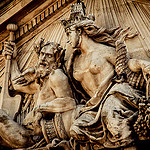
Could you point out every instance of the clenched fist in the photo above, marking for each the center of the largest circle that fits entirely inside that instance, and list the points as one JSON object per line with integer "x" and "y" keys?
{"x": 10, "y": 49}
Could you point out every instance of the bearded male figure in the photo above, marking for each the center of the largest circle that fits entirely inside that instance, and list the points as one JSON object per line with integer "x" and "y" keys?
{"x": 54, "y": 102}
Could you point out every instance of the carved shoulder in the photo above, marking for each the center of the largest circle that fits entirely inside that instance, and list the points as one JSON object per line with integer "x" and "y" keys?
{"x": 57, "y": 77}
{"x": 59, "y": 83}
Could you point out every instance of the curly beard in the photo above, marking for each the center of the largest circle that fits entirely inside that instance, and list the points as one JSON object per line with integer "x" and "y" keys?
{"x": 42, "y": 72}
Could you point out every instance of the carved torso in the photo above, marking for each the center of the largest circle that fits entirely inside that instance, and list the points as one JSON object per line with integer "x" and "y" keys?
{"x": 92, "y": 68}
{"x": 53, "y": 87}
{"x": 46, "y": 93}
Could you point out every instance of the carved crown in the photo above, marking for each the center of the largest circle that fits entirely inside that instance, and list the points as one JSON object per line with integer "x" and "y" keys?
{"x": 77, "y": 15}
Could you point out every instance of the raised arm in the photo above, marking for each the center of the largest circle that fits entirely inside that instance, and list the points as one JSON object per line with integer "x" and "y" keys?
{"x": 140, "y": 65}
{"x": 21, "y": 81}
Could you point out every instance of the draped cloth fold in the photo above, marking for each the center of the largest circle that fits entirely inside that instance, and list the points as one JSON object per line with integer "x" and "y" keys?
{"x": 109, "y": 124}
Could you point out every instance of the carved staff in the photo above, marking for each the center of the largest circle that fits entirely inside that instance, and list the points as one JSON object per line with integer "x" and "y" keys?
{"x": 9, "y": 104}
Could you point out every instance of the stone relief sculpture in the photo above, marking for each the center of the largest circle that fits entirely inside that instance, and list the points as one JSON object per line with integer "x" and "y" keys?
{"x": 99, "y": 100}
{"x": 108, "y": 117}
{"x": 54, "y": 100}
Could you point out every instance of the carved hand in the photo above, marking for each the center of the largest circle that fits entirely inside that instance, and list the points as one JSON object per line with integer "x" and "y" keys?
{"x": 26, "y": 77}
{"x": 10, "y": 49}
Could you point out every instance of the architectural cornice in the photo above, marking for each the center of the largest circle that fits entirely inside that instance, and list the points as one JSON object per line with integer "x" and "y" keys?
{"x": 31, "y": 21}
{"x": 22, "y": 4}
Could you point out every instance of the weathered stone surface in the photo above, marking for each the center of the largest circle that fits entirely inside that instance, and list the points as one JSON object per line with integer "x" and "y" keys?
{"x": 90, "y": 91}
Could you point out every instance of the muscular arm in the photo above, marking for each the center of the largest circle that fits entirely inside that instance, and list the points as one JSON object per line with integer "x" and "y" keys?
{"x": 137, "y": 65}
{"x": 11, "y": 50}
{"x": 19, "y": 82}
{"x": 57, "y": 105}
{"x": 64, "y": 101}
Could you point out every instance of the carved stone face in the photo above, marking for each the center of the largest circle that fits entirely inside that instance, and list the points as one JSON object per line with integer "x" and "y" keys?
{"x": 46, "y": 60}
{"x": 73, "y": 37}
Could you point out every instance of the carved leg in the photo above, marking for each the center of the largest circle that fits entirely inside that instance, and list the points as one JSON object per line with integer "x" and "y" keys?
{"x": 78, "y": 133}
{"x": 118, "y": 118}
{"x": 14, "y": 135}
